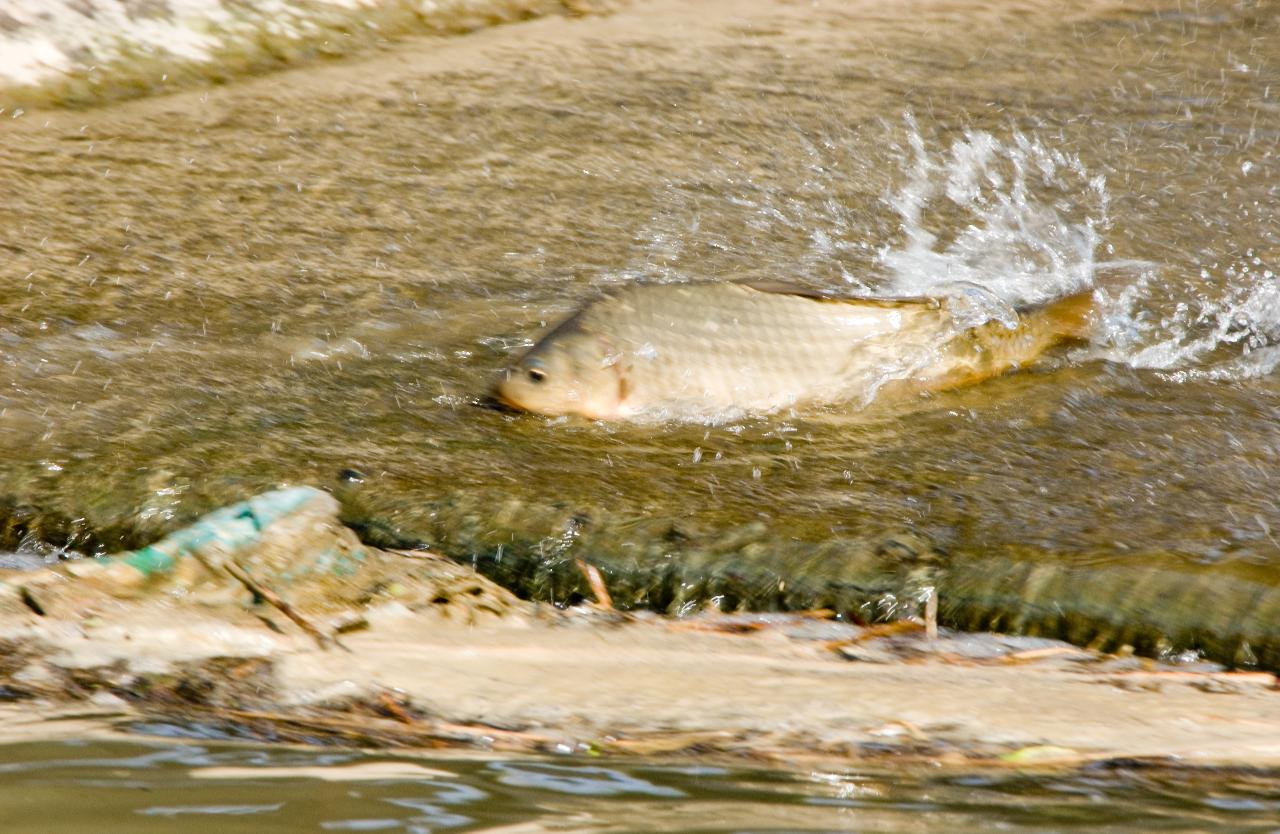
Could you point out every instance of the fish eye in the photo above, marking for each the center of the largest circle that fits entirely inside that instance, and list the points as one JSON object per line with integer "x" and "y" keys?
{"x": 536, "y": 376}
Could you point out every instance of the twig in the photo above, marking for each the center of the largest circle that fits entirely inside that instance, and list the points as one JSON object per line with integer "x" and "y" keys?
{"x": 931, "y": 614}
{"x": 439, "y": 732}
{"x": 323, "y": 640}
{"x": 394, "y": 708}
{"x": 717, "y": 626}
{"x": 429, "y": 555}
{"x": 873, "y": 632}
{"x": 1033, "y": 655}
{"x": 596, "y": 581}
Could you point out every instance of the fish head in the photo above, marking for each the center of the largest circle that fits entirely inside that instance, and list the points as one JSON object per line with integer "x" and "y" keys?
{"x": 568, "y": 372}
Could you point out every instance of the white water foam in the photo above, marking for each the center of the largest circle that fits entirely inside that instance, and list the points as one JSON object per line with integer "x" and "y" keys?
{"x": 43, "y": 42}
{"x": 1235, "y": 336}
{"x": 1033, "y": 219}
{"x": 1023, "y": 224}
{"x": 1008, "y": 208}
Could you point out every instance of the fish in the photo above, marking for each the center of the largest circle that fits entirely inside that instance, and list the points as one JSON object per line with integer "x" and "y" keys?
{"x": 709, "y": 351}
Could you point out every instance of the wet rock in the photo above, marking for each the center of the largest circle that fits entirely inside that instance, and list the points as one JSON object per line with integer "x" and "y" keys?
{"x": 283, "y": 555}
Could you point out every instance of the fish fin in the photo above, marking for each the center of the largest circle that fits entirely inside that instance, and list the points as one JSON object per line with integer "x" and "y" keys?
{"x": 1072, "y": 317}
{"x": 991, "y": 349}
{"x": 783, "y": 288}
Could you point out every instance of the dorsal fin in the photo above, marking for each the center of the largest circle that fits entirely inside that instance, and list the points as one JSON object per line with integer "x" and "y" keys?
{"x": 783, "y": 288}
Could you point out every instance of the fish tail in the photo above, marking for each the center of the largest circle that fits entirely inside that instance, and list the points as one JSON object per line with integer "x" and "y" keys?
{"x": 992, "y": 349}
{"x": 1072, "y": 317}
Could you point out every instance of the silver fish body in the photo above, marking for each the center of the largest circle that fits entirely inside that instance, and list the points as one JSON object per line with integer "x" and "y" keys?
{"x": 712, "y": 350}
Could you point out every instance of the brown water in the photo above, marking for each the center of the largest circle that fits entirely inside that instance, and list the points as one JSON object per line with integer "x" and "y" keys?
{"x": 217, "y": 292}
{"x": 152, "y": 786}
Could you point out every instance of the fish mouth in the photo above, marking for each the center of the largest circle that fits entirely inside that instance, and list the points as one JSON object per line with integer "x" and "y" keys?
{"x": 494, "y": 401}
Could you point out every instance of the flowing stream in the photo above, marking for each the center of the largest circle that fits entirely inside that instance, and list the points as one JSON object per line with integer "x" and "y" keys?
{"x": 315, "y": 272}
{"x": 142, "y": 787}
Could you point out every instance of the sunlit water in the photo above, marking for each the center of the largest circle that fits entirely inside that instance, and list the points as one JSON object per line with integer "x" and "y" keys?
{"x": 113, "y": 787}
{"x": 214, "y": 293}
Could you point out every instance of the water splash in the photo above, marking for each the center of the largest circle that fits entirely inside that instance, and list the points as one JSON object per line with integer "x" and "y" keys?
{"x": 1004, "y": 223}
{"x": 1230, "y": 337}
{"x": 996, "y": 224}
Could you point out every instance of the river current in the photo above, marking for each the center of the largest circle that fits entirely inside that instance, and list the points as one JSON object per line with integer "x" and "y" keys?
{"x": 150, "y": 786}
{"x": 316, "y": 272}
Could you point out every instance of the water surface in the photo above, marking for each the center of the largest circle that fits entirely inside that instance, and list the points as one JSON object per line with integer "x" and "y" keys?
{"x": 213, "y": 293}
{"x": 143, "y": 787}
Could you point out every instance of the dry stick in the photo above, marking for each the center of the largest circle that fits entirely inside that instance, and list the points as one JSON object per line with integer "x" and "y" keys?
{"x": 323, "y": 640}
{"x": 1032, "y": 655}
{"x": 395, "y": 709}
{"x": 442, "y": 731}
{"x": 596, "y": 581}
{"x": 931, "y": 615}
{"x": 419, "y": 554}
{"x": 873, "y": 632}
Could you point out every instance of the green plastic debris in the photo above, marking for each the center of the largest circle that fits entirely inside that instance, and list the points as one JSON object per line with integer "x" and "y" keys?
{"x": 286, "y": 548}
{"x": 222, "y": 531}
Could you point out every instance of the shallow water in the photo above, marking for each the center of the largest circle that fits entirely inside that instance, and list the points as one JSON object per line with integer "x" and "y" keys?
{"x": 161, "y": 787}
{"x": 213, "y": 293}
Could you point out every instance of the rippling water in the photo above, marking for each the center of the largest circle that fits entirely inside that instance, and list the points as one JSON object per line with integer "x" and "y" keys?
{"x": 158, "y": 787}
{"x": 212, "y": 293}
{"x": 86, "y": 52}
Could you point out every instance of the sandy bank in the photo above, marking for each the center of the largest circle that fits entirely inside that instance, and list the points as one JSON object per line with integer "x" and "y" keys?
{"x": 268, "y": 619}
{"x": 479, "y": 669}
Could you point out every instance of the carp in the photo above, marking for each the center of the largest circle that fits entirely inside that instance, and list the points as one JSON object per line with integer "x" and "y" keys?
{"x": 708, "y": 351}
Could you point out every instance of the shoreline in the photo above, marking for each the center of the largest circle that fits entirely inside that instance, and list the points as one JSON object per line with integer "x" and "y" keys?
{"x": 483, "y": 671}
